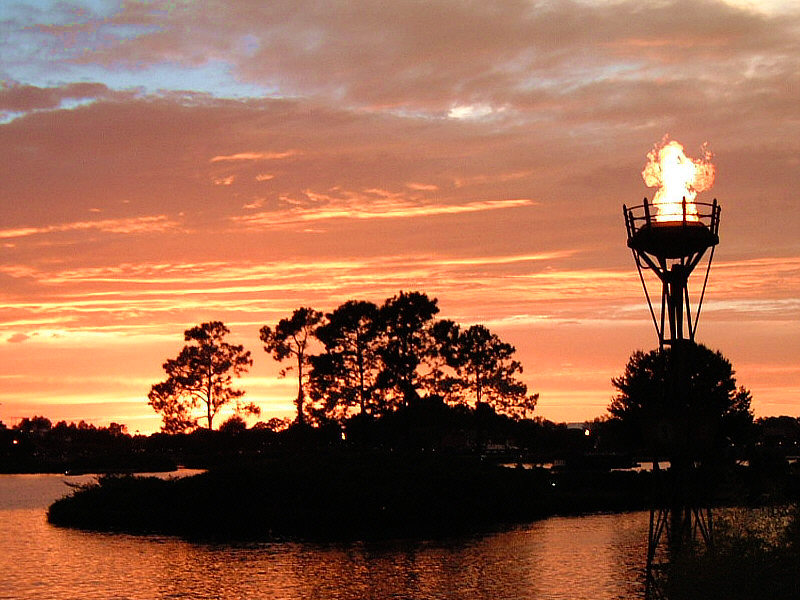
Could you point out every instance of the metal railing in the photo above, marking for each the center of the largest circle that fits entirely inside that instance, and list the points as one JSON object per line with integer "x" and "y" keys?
{"x": 685, "y": 214}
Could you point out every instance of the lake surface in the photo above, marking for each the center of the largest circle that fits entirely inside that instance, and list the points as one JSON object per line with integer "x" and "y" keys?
{"x": 597, "y": 557}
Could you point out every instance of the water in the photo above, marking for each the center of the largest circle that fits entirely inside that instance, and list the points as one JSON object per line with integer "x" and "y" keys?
{"x": 597, "y": 557}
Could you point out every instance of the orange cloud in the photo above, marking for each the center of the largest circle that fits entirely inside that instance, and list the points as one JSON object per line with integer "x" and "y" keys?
{"x": 157, "y": 223}
{"x": 363, "y": 208}
{"x": 251, "y": 156}
{"x": 422, "y": 187}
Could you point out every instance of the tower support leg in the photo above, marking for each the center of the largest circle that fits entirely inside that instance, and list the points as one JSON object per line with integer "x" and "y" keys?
{"x": 676, "y": 525}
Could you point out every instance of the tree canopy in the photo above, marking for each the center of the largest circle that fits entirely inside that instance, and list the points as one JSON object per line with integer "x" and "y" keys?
{"x": 345, "y": 375}
{"x": 485, "y": 368}
{"x": 681, "y": 401}
{"x": 200, "y": 377}
{"x": 290, "y": 339}
{"x": 359, "y": 359}
{"x": 376, "y": 359}
{"x": 407, "y": 343}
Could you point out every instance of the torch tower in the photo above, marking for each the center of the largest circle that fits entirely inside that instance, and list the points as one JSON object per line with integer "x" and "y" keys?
{"x": 671, "y": 249}
{"x": 669, "y": 238}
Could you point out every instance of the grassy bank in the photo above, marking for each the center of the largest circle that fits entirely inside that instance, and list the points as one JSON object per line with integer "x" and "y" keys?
{"x": 341, "y": 497}
{"x": 756, "y": 555}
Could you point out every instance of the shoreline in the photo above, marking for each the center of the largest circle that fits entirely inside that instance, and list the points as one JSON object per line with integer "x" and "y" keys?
{"x": 334, "y": 498}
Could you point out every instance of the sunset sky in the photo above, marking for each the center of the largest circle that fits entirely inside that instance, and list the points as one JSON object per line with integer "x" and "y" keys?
{"x": 169, "y": 163}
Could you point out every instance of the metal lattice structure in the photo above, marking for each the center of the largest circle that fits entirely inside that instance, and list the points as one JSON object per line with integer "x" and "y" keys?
{"x": 672, "y": 249}
{"x": 671, "y": 246}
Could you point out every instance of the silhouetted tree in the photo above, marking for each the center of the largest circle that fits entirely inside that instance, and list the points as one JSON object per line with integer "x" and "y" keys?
{"x": 233, "y": 425}
{"x": 117, "y": 429}
{"x": 407, "y": 319}
{"x": 176, "y": 411}
{"x": 200, "y": 376}
{"x": 290, "y": 339}
{"x": 687, "y": 402}
{"x": 442, "y": 379}
{"x": 274, "y": 424}
{"x": 377, "y": 359}
{"x": 778, "y": 435}
{"x": 346, "y": 374}
{"x": 516, "y": 405}
{"x": 486, "y": 369}
{"x": 36, "y": 425}
{"x": 249, "y": 409}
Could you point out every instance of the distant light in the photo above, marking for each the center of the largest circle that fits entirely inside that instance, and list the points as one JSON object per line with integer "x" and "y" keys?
{"x": 586, "y": 432}
{"x": 15, "y": 442}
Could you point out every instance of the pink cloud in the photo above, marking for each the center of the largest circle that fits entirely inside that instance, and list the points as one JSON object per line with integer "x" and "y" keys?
{"x": 22, "y": 98}
{"x": 251, "y": 156}
{"x": 452, "y": 53}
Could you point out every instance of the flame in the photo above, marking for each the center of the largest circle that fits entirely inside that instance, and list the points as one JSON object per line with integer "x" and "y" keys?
{"x": 677, "y": 177}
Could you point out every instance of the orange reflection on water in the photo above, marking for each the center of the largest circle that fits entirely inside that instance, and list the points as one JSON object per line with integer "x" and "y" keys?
{"x": 597, "y": 557}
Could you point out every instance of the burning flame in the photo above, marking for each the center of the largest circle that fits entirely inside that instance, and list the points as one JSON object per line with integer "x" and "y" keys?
{"x": 677, "y": 177}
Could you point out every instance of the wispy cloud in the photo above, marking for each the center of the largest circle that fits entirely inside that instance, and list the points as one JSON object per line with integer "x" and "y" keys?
{"x": 366, "y": 207}
{"x": 152, "y": 224}
{"x": 253, "y": 156}
{"x": 493, "y": 178}
{"x": 515, "y": 283}
{"x": 422, "y": 187}
{"x": 132, "y": 295}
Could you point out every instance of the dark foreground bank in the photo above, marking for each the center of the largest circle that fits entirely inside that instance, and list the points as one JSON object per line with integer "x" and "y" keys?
{"x": 344, "y": 497}
{"x": 749, "y": 560}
